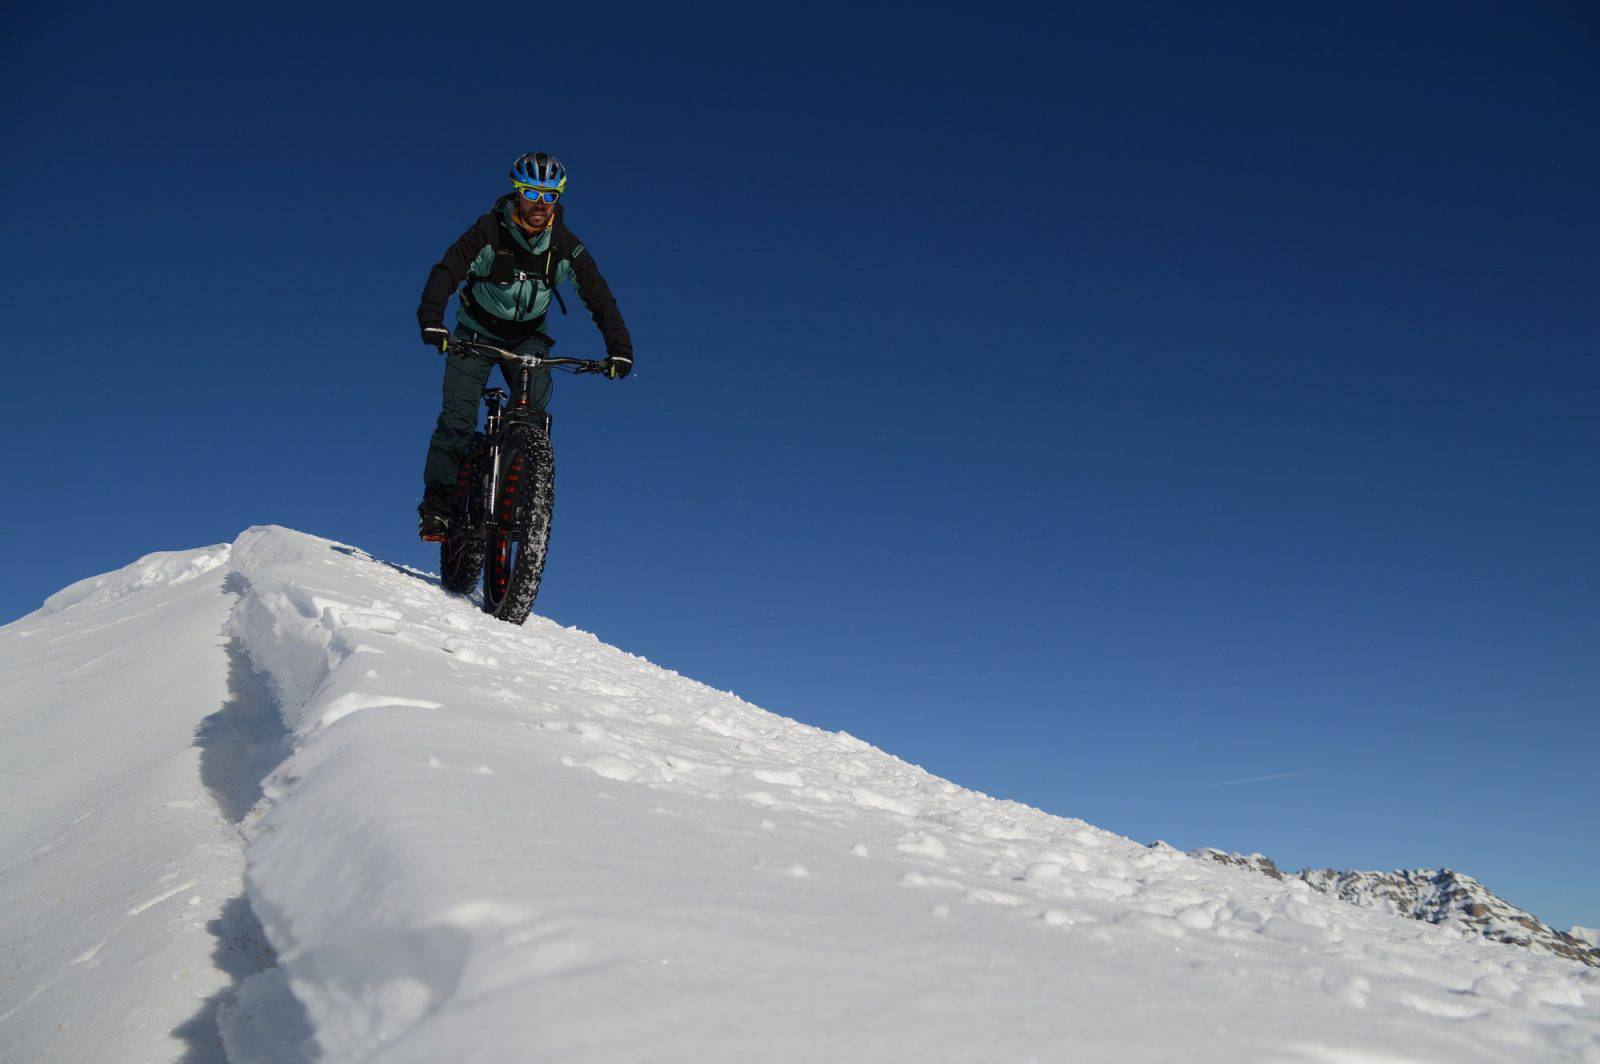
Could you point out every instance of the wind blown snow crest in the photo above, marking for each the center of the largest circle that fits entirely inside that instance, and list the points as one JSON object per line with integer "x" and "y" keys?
{"x": 162, "y": 569}
{"x": 496, "y": 843}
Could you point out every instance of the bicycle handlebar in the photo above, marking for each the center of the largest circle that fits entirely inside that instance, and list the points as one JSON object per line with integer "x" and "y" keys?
{"x": 576, "y": 365}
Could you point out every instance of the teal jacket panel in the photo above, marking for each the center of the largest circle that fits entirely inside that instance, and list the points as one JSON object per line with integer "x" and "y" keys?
{"x": 518, "y": 301}
{"x": 520, "y": 304}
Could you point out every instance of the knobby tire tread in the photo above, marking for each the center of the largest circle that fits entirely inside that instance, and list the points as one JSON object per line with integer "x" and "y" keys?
{"x": 527, "y": 510}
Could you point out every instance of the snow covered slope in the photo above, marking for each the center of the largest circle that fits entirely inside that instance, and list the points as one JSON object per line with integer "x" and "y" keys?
{"x": 122, "y": 922}
{"x": 501, "y": 844}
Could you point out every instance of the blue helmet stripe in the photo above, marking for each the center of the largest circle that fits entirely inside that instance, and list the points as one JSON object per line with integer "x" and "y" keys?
{"x": 540, "y": 169}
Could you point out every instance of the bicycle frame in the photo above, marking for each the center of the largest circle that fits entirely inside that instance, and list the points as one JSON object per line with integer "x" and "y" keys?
{"x": 519, "y": 370}
{"x": 512, "y": 469}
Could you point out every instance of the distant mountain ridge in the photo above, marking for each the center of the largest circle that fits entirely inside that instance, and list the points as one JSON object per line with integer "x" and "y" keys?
{"x": 1435, "y": 895}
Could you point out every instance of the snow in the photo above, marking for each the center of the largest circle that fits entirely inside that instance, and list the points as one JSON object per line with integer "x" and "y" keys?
{"x": 490, "y": 843}
{"x": 121, "y": 870}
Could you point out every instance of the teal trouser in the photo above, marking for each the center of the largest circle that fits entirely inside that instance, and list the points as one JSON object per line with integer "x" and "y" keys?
{"x": 464, "y": 379}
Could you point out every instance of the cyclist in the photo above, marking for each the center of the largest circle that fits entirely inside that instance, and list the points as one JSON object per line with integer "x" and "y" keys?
{"x": 512, "y": 260}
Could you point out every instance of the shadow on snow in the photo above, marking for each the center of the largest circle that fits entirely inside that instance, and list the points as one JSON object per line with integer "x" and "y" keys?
{"x": 239, "y": 745}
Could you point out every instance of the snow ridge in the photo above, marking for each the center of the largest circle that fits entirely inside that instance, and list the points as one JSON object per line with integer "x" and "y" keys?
{"x": 498, "y": 843}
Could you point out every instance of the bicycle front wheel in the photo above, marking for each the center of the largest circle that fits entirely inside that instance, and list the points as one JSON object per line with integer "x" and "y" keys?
{"x": 515, "y": 548}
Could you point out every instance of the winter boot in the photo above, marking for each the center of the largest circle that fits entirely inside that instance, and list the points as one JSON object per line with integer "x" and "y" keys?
{"x": 433, "y": 515}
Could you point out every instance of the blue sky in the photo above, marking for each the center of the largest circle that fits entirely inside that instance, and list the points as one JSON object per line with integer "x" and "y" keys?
{"x": 1092, "y": 404}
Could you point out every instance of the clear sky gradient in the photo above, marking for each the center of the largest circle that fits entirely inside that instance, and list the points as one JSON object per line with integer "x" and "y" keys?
{"x": 1179, "y": 416}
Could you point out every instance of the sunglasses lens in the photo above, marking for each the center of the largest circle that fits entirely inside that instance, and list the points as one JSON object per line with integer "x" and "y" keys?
{"x": 538, "y": 196}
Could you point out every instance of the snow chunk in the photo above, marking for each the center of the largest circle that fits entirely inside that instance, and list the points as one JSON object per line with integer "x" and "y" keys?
{"x": 870, "y": 799}
{"x": 921, "y": 844}
{"x": 779, "y": 777}
{"x": 612, "y": 768}
{"x": 1042, "y": 872}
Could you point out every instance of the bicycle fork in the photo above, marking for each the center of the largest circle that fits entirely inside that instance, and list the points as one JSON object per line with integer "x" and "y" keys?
{"x": 493, "y": 397}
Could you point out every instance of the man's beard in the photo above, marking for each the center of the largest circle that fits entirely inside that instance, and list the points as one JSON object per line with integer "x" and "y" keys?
{"x": 532, "y": 226}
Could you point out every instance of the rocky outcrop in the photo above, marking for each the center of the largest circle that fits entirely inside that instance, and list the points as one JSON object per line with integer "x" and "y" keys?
{"x": 1439, "y": 896}
{"x": 1256, "y": 862}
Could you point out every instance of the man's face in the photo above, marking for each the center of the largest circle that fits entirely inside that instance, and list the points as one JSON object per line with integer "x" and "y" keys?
{"x": 534, "y": 213}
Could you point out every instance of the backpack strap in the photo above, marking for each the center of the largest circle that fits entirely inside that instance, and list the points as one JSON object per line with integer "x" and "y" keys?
{"x": 561, "y": 250}
{"x": 513, "y": 263}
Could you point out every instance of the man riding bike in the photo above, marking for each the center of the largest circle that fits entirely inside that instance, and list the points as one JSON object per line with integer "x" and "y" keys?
{"x": 512, "y": 261}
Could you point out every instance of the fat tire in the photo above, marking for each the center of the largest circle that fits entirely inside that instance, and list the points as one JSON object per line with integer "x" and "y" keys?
{"x": 461, "y": 553}
{"x": 515, "y": 551}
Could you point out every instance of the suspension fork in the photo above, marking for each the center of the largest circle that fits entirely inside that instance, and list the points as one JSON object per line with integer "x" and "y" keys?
{"x": 491, "y": 468}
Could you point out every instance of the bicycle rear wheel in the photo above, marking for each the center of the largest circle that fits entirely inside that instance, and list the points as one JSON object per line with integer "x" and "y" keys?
{"x": 461, "y": 553}
{"x": 515, "y": 549}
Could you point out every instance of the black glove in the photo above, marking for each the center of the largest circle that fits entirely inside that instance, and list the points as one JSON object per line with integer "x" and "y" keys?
{"x": 436, "y": 338}
{"x": 616, "y": 367}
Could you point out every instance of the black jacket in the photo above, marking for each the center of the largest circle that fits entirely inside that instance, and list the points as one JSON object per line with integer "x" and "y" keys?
{"x": 493, "y": 230}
